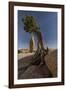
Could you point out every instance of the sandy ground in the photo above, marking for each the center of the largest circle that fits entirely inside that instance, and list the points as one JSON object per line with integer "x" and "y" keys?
{"x": 35, "y": 71}
{"x": 51, "y": 61}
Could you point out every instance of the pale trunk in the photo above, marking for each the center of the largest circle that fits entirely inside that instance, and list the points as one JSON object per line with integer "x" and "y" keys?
{"x": 32, "y": 43}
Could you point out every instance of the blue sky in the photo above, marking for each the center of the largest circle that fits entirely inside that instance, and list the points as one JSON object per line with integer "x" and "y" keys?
{"x": 48, "y": 26}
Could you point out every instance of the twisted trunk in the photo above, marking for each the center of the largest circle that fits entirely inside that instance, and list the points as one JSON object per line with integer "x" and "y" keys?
{"x": 40, "y": 41}
{"x": 41, "y": 52}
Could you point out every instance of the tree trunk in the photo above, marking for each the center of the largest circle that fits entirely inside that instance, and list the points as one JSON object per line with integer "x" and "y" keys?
{"x": 32, "y": 43}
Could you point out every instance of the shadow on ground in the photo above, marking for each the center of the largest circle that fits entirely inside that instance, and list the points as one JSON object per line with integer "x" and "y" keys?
{"x": 49, "y": 69}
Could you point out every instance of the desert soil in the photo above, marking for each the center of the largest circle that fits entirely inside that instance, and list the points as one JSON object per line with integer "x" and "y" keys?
{"x": 36, "y": 71}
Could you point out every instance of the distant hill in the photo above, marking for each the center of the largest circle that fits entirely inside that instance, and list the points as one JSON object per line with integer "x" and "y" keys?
{"x": 26, "y": 50}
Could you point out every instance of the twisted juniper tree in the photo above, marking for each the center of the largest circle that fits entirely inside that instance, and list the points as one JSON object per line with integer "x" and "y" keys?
{"x": 31, "y": 26}
{"x": 29, "y": 23}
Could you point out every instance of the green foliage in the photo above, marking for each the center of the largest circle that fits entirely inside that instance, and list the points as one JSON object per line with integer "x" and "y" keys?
{"x": 30, "y": 24}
